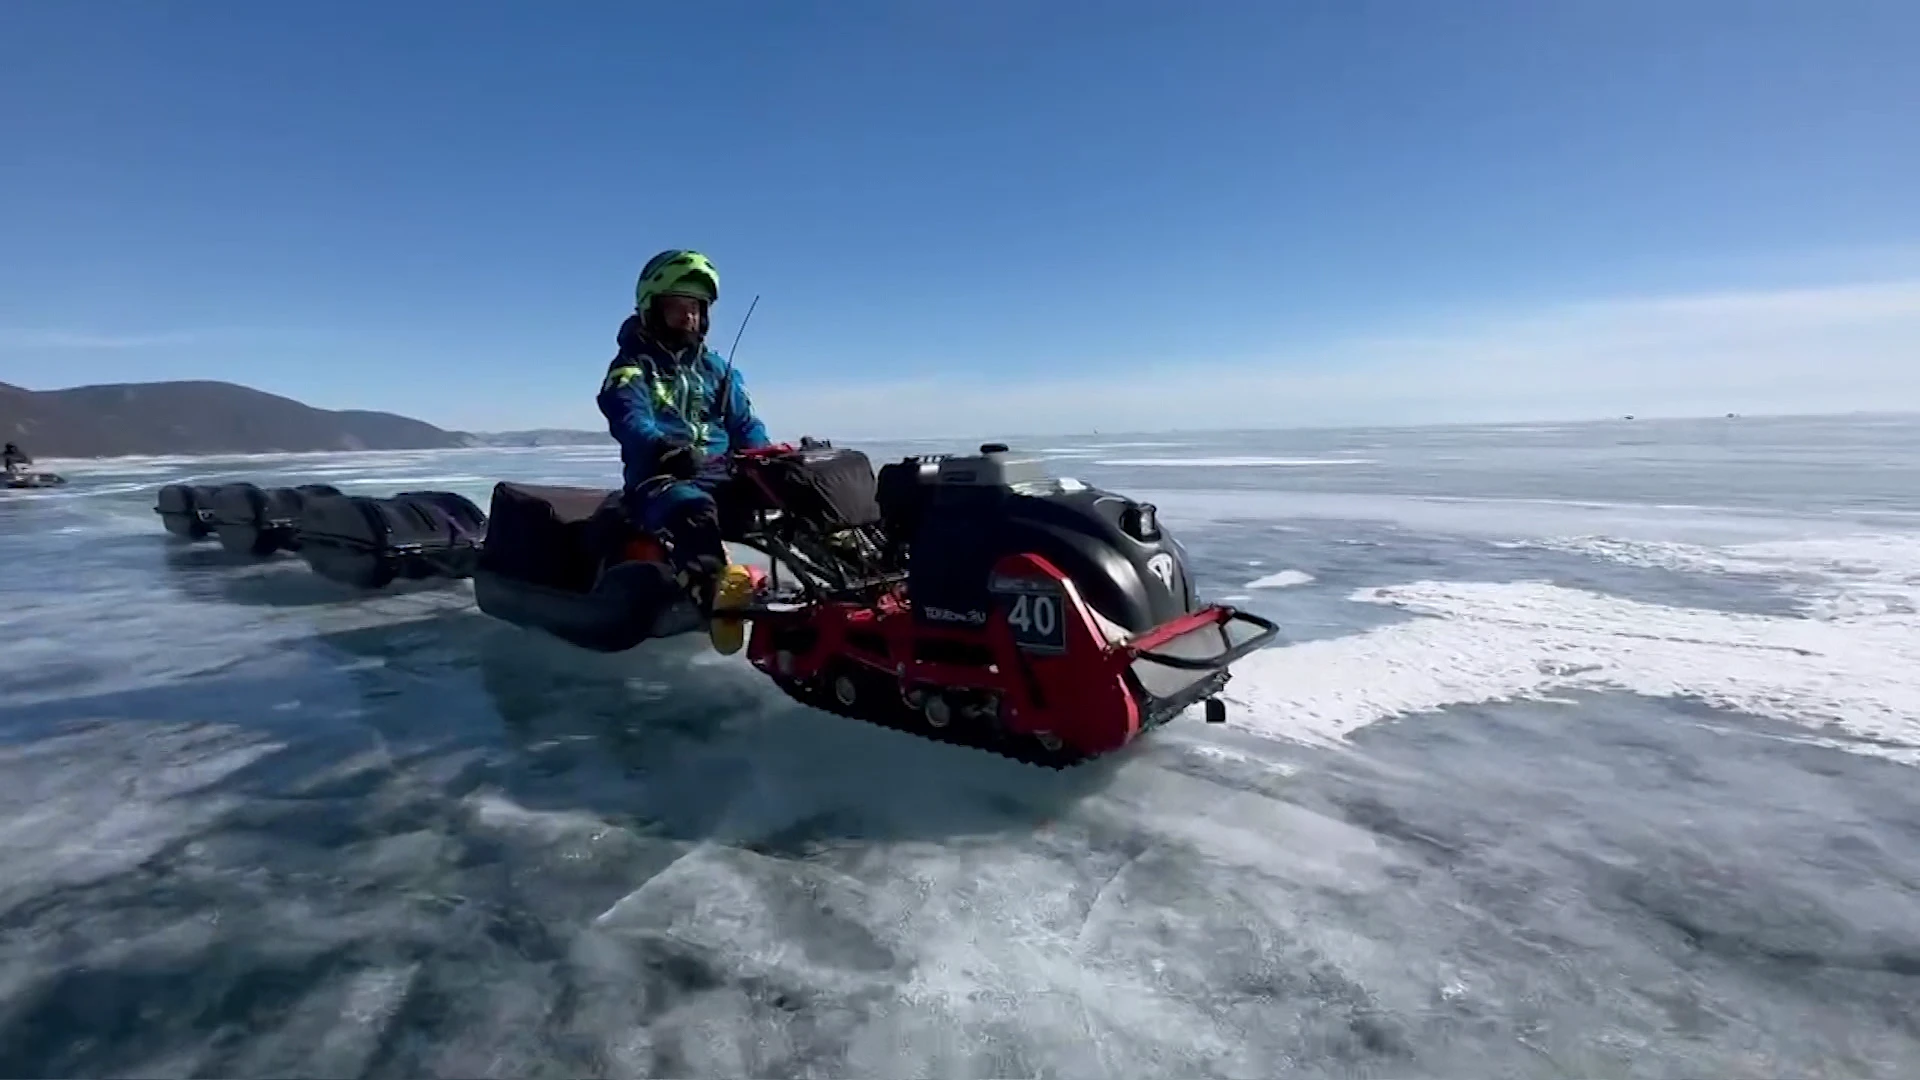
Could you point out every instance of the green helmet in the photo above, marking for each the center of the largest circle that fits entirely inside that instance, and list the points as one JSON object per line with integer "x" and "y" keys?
{"x": 676, "y": 273}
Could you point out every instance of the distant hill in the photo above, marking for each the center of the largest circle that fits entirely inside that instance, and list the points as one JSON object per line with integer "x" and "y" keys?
{"x": 540, "y": 437}
{"x": 197, "y": 418}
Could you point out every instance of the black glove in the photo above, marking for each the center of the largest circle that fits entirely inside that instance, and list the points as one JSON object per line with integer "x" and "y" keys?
{"x": 680, "y": 461}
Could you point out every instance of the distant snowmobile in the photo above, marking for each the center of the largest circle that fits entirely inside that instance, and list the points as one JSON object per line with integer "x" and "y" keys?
{"x": 15, "y": 461}
{"x": 34, "y": 480}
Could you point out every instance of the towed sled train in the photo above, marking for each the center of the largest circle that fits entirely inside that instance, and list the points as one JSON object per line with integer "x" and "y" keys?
{"x": 972, "y": 599}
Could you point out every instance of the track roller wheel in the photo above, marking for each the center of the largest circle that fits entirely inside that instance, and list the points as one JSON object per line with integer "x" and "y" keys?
{"x": 938, "y": 713}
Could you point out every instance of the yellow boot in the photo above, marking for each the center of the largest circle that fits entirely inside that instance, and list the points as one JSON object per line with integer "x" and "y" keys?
{"x": 734, "y": 589}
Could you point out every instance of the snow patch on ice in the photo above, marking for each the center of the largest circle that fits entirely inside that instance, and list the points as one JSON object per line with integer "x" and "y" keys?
{"x": 1851, "y": 669}
{"x": 1838, "y": 576}
{"x": 1652, "y": 554}
{"x": 1235, "y": 757}
{"x": 1284, "y": 579}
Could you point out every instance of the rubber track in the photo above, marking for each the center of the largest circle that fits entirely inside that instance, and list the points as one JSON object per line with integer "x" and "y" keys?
{"x": 1024, "y": 750}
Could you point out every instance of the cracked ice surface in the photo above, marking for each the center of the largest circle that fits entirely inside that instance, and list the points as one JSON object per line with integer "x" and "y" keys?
{"x": 1590, "y": 759}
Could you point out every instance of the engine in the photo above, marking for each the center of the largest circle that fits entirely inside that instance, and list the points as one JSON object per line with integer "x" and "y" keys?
{"x": 959, "y": 515}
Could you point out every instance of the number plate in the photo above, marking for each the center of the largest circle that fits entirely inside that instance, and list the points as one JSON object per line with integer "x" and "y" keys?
{"x": 1038, "y": 617}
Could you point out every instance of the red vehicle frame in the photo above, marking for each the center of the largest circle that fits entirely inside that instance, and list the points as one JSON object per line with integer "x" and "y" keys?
{"x": 1043, "y": 667}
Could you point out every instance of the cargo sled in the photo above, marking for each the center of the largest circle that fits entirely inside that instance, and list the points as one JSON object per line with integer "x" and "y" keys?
{"x": 369, "y": 543}
{"x": 563, "y": 560}
{"x": 251, "y": 520}
{"x": 247, "y": 519}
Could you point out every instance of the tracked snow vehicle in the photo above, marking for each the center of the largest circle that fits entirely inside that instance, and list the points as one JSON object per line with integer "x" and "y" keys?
{"x": 985, "y": 601}
{"x": 971, "y": 599}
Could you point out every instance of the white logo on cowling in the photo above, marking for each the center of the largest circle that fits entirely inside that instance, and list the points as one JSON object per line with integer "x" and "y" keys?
{"x": 1161, "y": 566}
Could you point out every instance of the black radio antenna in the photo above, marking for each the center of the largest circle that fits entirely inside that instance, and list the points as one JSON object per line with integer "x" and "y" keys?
{"x": 726, "y": 376}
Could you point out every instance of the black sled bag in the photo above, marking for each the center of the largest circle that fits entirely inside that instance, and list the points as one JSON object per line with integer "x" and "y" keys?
{"x": 831, "y": 487}
{"x": 552, "y": 536}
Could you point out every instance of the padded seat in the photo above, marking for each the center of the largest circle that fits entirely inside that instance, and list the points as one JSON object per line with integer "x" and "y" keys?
{"x": 553, "y": 536}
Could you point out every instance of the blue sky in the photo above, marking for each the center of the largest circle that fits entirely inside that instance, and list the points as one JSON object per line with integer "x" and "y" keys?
{"x": 966, "y": 217}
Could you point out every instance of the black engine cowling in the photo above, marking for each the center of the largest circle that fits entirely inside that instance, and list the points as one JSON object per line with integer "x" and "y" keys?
{"x": 963, "y": 514}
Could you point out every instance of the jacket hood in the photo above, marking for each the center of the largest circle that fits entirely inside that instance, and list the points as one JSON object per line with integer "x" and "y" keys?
{"x": 632, "y": 334}
{"x": 633, "y": 339}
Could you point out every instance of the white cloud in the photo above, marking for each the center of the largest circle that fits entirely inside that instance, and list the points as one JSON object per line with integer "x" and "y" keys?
{"x": 1828, "y": 349}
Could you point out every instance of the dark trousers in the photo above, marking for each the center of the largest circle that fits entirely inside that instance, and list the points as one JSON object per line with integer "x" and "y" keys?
{"x": 696, "y": 517}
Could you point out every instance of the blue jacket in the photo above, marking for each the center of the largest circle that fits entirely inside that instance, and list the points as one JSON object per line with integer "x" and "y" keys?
{"x": 652, "y": 401}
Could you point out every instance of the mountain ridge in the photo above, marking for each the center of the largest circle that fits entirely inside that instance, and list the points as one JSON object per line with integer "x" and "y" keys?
{"x": 200, "y": 417}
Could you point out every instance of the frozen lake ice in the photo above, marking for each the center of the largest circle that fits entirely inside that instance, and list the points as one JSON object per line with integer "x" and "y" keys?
{"x": 1587, "y": 749}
